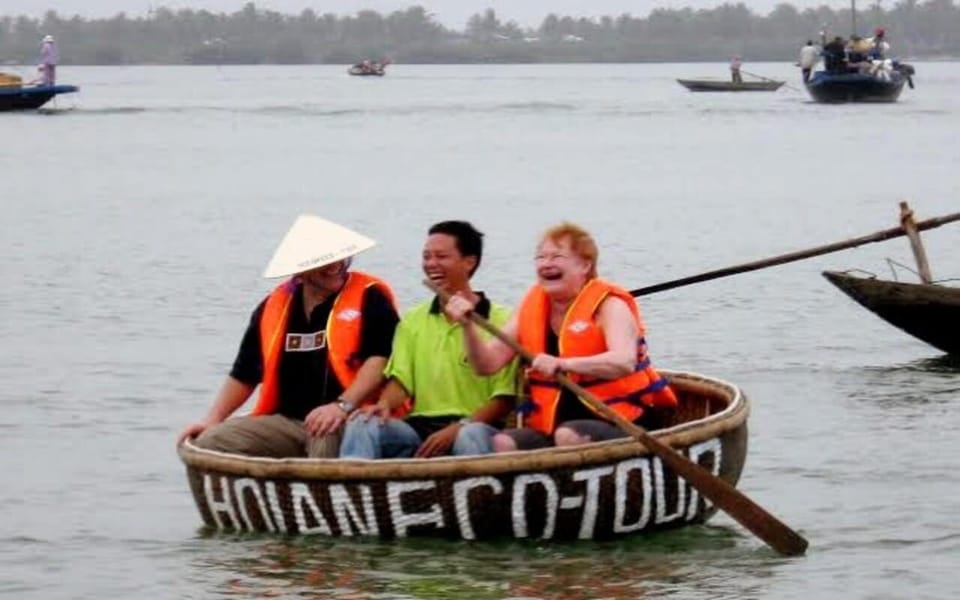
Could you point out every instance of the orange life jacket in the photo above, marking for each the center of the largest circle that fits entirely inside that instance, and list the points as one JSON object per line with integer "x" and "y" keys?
{"x": 342, "y": 333}
{"x": 581, "y": 335}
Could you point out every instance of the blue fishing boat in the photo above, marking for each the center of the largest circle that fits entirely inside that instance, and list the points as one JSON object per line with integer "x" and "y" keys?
{"x": 859, "y": 71}
{"x": 832, "y": 87}
{"x": 29, "y": 97}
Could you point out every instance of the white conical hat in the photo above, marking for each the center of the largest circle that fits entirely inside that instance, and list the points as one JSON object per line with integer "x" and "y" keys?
{"x": 313, "y": 242}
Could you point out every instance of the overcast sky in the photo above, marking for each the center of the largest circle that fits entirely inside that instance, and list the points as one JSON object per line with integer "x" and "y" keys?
{"x": 452, "y": 13}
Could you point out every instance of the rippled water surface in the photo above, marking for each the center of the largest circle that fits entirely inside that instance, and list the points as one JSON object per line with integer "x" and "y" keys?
{"x": 139, "y": 214}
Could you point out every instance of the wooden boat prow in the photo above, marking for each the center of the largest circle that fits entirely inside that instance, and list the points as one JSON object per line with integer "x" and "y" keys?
{"x": 927, "y": 311}
{"x": 28, "y": 97}
{"x": 600, "y": 490}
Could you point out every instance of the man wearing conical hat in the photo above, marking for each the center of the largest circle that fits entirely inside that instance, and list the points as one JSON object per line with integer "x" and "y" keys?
{"x": 48, "y": 61}
{"x": 316, "y": 347}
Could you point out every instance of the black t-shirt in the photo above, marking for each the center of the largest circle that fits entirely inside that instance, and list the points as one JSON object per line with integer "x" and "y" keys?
{"x": 306, "y": 380}
{"x": 570, "y": 407}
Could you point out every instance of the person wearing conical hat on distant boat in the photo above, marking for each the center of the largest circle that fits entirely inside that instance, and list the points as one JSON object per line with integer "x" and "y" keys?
{"x": 579, "y": 324}
{"x": 49, "y": 57}
{"x": 454, "y": 409}
{"x": 857, "y": 50}
{"x": 316, "y": 346}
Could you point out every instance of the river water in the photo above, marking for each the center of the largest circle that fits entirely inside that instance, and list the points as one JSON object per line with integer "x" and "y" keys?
{"x": 139, "y": 214}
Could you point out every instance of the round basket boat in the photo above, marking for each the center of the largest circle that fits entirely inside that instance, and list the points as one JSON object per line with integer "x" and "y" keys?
{"x": 594, "y": 491}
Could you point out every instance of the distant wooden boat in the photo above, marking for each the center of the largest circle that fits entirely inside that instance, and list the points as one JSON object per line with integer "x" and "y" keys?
{"x": 717, "y": 85}
{"x": 370, "y": 69}
{"x": 28, "y": 97}
{"x": 599, "y": 490}
{"x": 927, "y": 311}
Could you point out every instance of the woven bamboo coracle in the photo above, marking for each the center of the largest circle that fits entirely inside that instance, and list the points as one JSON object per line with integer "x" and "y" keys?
{"x": 595, "y": 491}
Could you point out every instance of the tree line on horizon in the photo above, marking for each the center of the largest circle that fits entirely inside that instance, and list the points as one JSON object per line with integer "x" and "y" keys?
{"x": 255, "y": 36}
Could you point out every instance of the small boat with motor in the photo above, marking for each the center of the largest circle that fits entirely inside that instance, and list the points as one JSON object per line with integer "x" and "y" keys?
{"x": 881, "y": 82}
{"x": 858, "y": 70}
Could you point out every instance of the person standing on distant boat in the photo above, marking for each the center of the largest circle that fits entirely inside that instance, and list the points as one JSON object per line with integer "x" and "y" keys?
{"x": 454, "y": 408}
{"x": 316, "y": 346}
{"x": 809, "y": 55}
{"x": 48, "y": 61}
{"x": 878, "y": 45}
{"x": 835, "y": 55}
{"x": 857, "y": 50}
{"x": 580, "y": 325}
{"x": 735, "y": 65}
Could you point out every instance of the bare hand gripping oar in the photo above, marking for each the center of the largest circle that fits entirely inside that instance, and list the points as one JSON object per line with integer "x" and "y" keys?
{"x": 726, "y": 497}
{"x": 879, "y": 236}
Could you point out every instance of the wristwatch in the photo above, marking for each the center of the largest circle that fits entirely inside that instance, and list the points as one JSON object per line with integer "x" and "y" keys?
{"x": 346, "y": 406}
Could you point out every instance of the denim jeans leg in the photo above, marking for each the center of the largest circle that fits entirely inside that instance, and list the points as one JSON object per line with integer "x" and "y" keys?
{"x": 473, "y": 439}
{"x": 398, "y": 439}
{"x": 368, "y": 438}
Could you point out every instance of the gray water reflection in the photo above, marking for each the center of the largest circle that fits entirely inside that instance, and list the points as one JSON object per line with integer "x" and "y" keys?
{"x": 698, "y": 559}
{"x": 918, "y": 385}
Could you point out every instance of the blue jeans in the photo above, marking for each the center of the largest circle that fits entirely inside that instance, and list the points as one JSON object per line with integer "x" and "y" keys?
{"x": 368, "y": 438}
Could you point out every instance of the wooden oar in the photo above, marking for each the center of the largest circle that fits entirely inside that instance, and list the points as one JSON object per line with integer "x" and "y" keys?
{"x": 879, "y": 236}
{"x": 723, "y": 495}
{"x": 758, "y": 76}
{"x": 768, "y": 79}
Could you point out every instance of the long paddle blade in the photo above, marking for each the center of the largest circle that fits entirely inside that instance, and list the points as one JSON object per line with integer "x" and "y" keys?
{"x": 723, "y": 495}
{"x": 879, "y": 236}
{"x": 745, "y": 511}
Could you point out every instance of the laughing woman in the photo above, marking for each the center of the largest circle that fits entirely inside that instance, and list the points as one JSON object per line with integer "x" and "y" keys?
{"x": 575, "y": 323}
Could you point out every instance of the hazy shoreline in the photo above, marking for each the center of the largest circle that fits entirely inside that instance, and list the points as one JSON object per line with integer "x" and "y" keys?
{"x": 413, "y": 36}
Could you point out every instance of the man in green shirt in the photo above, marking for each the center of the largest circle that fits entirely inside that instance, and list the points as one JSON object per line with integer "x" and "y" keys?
{"x": 454, "y": 409}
